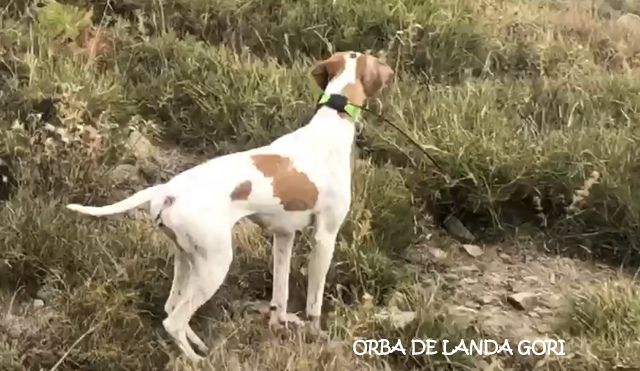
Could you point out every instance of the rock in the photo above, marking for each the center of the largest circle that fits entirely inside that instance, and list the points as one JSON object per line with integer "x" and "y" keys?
{"x": 398, "y": 319}
{"x": 43, "y": 293}
{"x": 260, "y": 307}
{"x": 125, "y": 174}
{"x": 522, "y": 300}
{"x": 505, "y": 257}
{"x": 457, "y": 309}
{"x": 462, "y": 315}
{"x": 367, "y": 301}
{"x": 450, "y": 276}
{"x": 629, "y": 23}
{"x": 466, "y": 269}
{"x": 473, "y": 250}
{"x": 543, "y": 328}
{"x": 543, "y": 311}
{"x": 150, "y": 171}
{"x": 455, "y": 227}
{"x": 468, "y": 281}
{"x": 472, "y": 304}
{"x": 140, "y": 146}
{"x": 487, "y": 299}
{"x": 437, "y": 253}
{"x": 38, "y": 303}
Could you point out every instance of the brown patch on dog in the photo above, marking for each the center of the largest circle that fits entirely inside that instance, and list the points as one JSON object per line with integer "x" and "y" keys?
{"x": 327, "y": 69}
{"x": 372, "y": 73}
{"x": 241, "y": 192}
{"x": 354, "y": 93}
{"x": 294, "y": 189}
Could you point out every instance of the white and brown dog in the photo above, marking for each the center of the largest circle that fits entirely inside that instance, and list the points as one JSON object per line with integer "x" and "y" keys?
{"x": 300, "y": 178}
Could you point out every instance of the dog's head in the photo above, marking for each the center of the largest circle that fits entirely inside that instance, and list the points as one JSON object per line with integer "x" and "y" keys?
{"x": 362, "y": 74}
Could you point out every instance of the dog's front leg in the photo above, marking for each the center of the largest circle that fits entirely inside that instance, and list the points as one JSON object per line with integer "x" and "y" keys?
{"x": 327, "y": 227}
{"x": 282, "y": 246}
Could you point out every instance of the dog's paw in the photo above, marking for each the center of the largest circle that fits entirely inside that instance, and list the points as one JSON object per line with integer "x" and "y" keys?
{"x": 200, "y": 345}
{"x": 287, "y": 321}
{"x": 314, "y": 331}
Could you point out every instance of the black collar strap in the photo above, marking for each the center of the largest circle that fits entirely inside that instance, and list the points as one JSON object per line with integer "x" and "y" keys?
{"x": 341, "y": 104}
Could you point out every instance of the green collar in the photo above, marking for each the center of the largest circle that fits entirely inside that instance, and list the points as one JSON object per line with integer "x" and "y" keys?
{"x": 340, "y": 104}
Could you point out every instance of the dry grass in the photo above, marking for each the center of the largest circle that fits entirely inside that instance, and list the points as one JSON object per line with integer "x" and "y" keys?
{"x": 520, "y": 102}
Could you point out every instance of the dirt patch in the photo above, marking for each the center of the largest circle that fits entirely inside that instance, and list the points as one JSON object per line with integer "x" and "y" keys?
{"x": 479, "y": 288}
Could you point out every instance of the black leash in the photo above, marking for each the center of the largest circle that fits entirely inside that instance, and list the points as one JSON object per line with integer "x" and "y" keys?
{"x": 342, "y": 104}
{"x": 411, "y": 139}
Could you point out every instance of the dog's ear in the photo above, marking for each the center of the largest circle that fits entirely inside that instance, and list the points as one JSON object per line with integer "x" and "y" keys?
{"x": 327, "y": 69}
{"x": 376, "y": 74}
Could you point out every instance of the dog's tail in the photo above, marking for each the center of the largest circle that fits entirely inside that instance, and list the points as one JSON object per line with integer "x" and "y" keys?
{"x": 119, "y": 207}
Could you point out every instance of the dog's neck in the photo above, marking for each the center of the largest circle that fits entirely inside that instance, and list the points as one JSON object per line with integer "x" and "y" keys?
{"x": 337, "y": 129}
{"x": 348, "y": 85}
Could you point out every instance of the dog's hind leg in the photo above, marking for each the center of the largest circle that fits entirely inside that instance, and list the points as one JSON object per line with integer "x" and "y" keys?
{"x": 210, "y": 255}
{"x": 181, "y": 267}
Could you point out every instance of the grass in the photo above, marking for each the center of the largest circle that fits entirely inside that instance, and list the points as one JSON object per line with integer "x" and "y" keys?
{"x": 603, "y": 321}
{"x": 519, "y": 102}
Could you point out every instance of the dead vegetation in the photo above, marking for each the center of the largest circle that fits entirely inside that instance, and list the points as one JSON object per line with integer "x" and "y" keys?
{"x": 531, "y": 108}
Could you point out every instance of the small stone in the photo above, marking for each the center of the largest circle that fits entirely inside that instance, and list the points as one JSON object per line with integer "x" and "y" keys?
{"x": 473, "y": 250}
{"x": 533, "y": 314}
{"x": 397, "y": 319}
{"x": 141, "y": 146}
{"x": 466, "y": 268}
{"x": 450, "y": 276}
{"x": 532, "y": 279}
{"x": 522, "y": 300}
{"x": 461, "y": 310}
{"x": 630, "y": 23}
{"x": 543, "y": 328}
{"x": 124, "y": 174}
{"x": 455, "y": 227}
{"x": 150, "y": 171}
{"x": 38, "y": 303}
{"x": 505, "y": 257}
{"x": 487, "y": 299}
{"x": 469, "y": 281}
{"x": 472, "y": 304}
{"x": 543, "y": 311}
{"x": 437, "y": 253}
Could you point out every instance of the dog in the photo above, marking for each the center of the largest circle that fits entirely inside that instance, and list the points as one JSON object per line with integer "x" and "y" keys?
{"x": 300, "y": 179}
